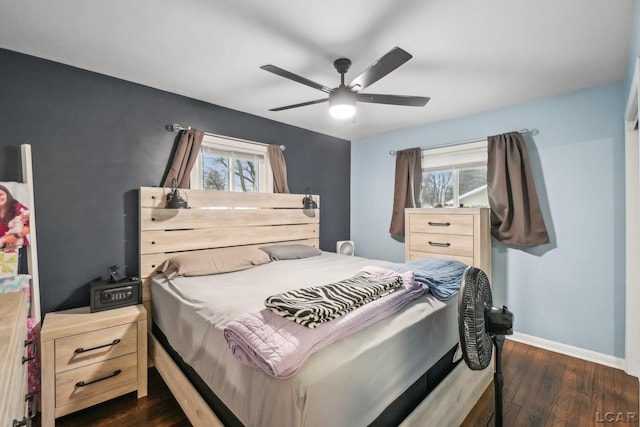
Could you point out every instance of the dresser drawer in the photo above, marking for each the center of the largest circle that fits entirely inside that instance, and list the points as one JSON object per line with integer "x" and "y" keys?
{"x": 91, "y": 347}
{"x": 421, "y": 255}
{"x": 97, "y": 382}
{"x": 442, "y": 244}
{"x": 441, "y": 224}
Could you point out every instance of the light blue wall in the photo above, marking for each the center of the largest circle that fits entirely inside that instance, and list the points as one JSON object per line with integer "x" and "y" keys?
{"x": 572, "y": 290}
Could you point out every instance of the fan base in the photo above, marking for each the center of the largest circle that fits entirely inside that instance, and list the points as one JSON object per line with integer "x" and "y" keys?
{"x": 342, "y": 65}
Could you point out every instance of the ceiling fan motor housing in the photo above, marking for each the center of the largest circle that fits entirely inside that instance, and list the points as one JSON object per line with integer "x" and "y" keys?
{"x": 342, "y": 65}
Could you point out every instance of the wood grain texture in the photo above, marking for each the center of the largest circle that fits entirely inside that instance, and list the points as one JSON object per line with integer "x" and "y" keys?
{"x": 543, "y": 388}
{"x": 460, "y": 390}
{"x": 194, "y": 406}
{"x": 216, "y": 219}
{"x": 13, "y": 333}
{"x": 67, "y": 357}
{"x": 466, "y": 233}
{"x": 157, "y": 241}
{"x": 105, "y": 380}
{"x": 155, "y": 197}
{"x": 158, "y": 408}
{"x": 110, "y": 370}
{"x": 572, "y": 393}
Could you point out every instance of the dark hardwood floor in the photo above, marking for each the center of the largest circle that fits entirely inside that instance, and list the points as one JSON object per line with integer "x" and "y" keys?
{"x": 541, "y": 388}
{"x": 158, "y": 408}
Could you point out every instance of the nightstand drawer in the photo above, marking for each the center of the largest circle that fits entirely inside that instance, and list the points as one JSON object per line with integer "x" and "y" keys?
{"x": 441, "y": 224}
{"x": 97, "y": 382}
{"x": 91, "y": 347}
{"x": 442, "y": 244}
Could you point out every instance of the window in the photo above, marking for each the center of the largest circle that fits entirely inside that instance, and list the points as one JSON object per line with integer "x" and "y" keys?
{"x": 455, "y": 175}
{"x": 232, "y": 165}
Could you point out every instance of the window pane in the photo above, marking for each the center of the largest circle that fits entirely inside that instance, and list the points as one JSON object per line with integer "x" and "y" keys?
{"x": 215, "y": 172}
{"x": 473, "y": 187}
{"x": 246, "y": 174}
{"x": 437, "y": 189}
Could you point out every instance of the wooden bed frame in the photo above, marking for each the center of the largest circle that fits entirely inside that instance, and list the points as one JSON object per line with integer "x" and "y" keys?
{"x": 222, "y": 219}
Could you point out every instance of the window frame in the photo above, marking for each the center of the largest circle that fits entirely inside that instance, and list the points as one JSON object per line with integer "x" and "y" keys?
{"x": 244, "y": 150}
{"x": 455, "y": 158}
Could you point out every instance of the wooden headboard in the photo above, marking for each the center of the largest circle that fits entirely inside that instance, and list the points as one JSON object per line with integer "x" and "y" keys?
{"x": 217, "y": 219}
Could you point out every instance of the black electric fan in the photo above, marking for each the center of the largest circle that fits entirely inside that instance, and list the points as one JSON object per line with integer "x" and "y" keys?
{"x": 481, "y": 326}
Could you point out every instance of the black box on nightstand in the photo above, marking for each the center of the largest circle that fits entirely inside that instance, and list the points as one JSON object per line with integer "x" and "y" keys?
{"x": 108, "y": 295}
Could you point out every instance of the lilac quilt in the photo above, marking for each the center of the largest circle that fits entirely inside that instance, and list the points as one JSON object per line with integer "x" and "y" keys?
{"x": 279, "y": 347}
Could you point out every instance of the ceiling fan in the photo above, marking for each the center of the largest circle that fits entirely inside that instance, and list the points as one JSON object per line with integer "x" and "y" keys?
{"x": 342, "y": 99}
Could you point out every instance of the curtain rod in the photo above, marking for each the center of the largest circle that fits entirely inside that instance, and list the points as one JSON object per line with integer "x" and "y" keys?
{"x": 469, "y": 141}
{"x": 177, "y": 128}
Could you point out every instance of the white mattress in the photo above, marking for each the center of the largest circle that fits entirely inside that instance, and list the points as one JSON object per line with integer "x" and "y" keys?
{"x": 348, "y": 383}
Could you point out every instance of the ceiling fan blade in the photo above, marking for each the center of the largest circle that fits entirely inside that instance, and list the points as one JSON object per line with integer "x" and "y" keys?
{"x": 302, "y": 104}
{"x": 296, "y": 78}
{"x": 383, "y": 66}
{"x": 410, "y": 101}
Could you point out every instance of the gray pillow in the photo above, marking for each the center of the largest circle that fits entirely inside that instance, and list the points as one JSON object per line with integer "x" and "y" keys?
{"x": 215, "y": 261}
{"x": 293, "y": 251}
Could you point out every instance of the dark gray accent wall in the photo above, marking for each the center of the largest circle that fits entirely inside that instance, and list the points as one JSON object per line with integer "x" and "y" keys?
{"x": 97, "y": 139}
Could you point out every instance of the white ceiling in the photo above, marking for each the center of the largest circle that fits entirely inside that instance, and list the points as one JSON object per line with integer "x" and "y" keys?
{"x": 468, "y": 56}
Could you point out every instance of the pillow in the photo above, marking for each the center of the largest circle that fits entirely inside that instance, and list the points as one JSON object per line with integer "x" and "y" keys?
{"x": 214, "y": 261}
{"x": 295, "y": 251}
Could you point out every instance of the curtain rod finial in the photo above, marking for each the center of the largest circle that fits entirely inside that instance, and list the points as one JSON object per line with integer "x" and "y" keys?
{"x": 173, "y": 128}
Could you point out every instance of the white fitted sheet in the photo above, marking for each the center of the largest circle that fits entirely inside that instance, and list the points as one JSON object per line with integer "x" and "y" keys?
{"x": 348, "y": 383}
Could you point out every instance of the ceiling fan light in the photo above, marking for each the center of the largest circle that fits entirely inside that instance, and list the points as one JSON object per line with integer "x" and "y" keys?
{"x": 342, "y": 103}
{"x": 342, "y": 111}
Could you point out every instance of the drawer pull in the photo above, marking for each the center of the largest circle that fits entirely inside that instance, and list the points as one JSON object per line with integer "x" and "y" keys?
{"x": 83, "y": 384}
{"x": 82, "y": 350}
{"x": 25, "y": 422}
{"x": 31, "y": 343}
{"x": 439, "y": 224}
{"x": 31, "y": 405}
{"x": 441, "y": 245}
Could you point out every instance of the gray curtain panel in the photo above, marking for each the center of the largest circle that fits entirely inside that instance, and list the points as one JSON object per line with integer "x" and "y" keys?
{"x": 184, "y": 158}
{"x": 516, "y": 218}
{"x": 406, "y": 193}
{"x": 279, "y": 169}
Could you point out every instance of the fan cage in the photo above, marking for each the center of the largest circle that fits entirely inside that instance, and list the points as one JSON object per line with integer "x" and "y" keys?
{"x": 475, "y": 297}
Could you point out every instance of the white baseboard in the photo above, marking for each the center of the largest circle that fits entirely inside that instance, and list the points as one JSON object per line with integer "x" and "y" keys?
{"x": 569, "y": 350}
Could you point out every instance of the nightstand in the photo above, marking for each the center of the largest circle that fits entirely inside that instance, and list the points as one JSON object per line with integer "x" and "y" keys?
{"x": 88, "y": 358}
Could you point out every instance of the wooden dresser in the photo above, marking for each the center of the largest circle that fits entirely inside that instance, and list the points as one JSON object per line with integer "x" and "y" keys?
{"x": 13, "y": 357}
{"x": 459, "y": 233}
{"x": 88, "y": 358}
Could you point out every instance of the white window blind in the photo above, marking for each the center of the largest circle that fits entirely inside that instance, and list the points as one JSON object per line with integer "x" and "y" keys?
{"x": 455, "y": 157}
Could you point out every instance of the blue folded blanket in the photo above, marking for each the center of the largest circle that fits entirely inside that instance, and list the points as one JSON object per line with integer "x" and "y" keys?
{"x": 440, "y": 276}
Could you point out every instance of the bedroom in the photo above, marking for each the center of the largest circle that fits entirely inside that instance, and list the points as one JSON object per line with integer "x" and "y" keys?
{"x": 96, "y": 139}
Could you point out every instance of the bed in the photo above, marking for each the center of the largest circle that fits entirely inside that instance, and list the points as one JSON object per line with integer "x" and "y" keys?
{"x": 367, "y": 378}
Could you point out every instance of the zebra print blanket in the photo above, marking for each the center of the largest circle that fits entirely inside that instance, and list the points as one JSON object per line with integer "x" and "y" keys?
{"x": 313, "y": 306}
